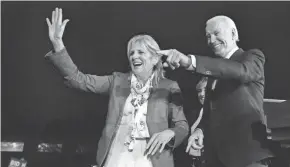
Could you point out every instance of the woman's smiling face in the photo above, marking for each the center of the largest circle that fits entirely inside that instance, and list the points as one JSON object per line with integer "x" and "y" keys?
{"x": 141, "y": 59}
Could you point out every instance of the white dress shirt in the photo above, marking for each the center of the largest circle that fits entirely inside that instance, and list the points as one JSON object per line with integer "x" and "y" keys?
{"x": 193, "y": 64}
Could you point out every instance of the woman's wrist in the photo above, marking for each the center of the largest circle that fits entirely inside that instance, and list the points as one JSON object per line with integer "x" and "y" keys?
{"x": 58, "y": 45}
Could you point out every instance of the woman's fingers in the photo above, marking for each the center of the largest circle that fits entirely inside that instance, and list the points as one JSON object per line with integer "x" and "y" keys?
{"x": 151, "y": 141}
{"x": 196, "y": 146}
{"x": 189, "y": 144}
{"x": 159, "y": 141}
{"x": 53, "y": 17}
{"x": 152, "y": 147}
{"x": 48, "y": 22}
{"x": 157, "y": 146}
{"x": 200, "y": 141}
{"x": 59, "y": 16}
{"x": 162, "y": 146}
{"x": 56, "y": 16}
{"x": 64, "y": 24}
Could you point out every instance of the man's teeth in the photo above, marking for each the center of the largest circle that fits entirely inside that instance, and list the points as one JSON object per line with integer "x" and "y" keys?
{"x": 216, "y": 45}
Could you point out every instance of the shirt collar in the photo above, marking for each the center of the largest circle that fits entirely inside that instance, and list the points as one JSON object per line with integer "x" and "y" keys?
{"x": 229, "y": 55}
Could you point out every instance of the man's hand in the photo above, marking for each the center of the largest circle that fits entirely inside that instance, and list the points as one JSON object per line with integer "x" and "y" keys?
{"x": 175, "y": 59}
{"x": 159, "y": 140}
{"x": 195, "y": 141}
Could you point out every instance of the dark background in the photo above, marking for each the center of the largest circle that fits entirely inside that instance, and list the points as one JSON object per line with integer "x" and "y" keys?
{"x": 36, "y": 106}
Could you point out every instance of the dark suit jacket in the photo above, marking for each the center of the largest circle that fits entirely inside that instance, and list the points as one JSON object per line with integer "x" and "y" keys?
{"x": 233, "y": 112}
{"x": 164, "y": 105}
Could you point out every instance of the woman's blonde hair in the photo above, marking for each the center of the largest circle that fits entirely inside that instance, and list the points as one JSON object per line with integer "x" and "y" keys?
{"x": 152, "y": 46}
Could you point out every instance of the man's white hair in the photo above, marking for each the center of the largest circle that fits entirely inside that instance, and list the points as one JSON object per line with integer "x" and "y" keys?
{"x": 225, "y": 19}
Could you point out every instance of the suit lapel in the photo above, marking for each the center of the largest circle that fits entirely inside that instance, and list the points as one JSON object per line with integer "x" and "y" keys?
{"x": 124, "y": 91}
{"x": 151, "y": 101}
{"x": 236, "y": 56}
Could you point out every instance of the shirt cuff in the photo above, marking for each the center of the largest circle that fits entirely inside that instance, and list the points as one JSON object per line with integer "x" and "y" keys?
{"x": 193, "y": 63}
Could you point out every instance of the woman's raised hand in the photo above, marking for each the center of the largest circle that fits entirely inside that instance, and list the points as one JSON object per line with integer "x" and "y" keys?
{"x": 56, "y": 28}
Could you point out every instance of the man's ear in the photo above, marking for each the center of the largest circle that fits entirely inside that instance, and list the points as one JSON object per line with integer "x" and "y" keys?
{"x": 234, "y": 34}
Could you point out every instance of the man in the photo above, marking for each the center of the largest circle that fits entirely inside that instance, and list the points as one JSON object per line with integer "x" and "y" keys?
{"x": 233, "y": 108}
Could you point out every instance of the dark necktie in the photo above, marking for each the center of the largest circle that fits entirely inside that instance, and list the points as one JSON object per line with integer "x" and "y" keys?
{"x": 208, "y": 97}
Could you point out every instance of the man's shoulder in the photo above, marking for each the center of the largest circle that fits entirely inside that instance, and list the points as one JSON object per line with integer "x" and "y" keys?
{"x": 251, "y": 54}
{"x": 255, "y": 51}
{"x": 166, "y": 81}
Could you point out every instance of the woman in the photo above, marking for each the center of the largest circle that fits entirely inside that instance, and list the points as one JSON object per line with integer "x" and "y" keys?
{"x": 200, "y": 88}
{"x": 142, "y": 103}
{"x": 197, "y": 159}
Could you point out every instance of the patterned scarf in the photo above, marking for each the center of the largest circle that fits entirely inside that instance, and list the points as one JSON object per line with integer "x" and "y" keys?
{"x": 140, "y": 94}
